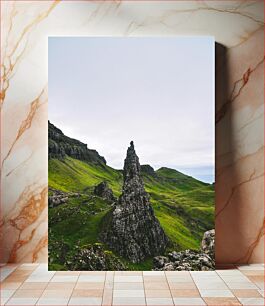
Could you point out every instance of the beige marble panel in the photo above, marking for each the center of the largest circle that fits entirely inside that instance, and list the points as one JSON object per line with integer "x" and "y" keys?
{"x": 236, "y": 25}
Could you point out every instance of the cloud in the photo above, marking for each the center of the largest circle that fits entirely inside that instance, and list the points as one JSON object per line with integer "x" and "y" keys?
{"x": 157, "y": 92}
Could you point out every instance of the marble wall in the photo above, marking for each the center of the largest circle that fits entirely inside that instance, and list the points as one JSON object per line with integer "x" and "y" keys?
{"x": 238, "y": 29}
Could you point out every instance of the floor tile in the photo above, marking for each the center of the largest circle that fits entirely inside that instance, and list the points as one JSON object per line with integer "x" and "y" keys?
{"x": 129, "y": 273}
{"x": 181, "y": 279}
{"x": 60, "y": 286}
{"x": 67, "y": 273}
{"x": 232, "y": 272}
{"x": 22, "y": 301}
{"x": 260, "y": 285}
{"x": 28, "y": 293}
{"x": 39, "y": 278}
{"x": 159, "y": 301}
{"x": 6, "y": 271}
{"x": 128, "y": 293}
{"x": 16, "y": 278}
{"x": 212, "y": 286}
{"x": 216, "y": 293}
{"x": 129, "y": 286}
{"x": 235, "y": 279}
{"x": 157, "y": 293}
{"x": 85, "y": 301}
{"x": 7, "y": 293}
{"x": 241, "y": 285}
{"x": 182, "y": 286}
{"x": 30, "y": 284}
{"x": 182, "y": 293}
{"x": 203, "y": 273}
{"x": 188, "y": 301}
{"x": 9, "y": 285}
{"x": 256, "y": 278}
{"x": 156, "y": 285}
{"x": 87, "y": 293}
{"x": 53, "y": 301}
{"x": 252, "y": 301}
{"x": 122, "y": 301}
{"x": 86, "y": 286}
{"x": 91, "y": 278}
{"x": 176, "y": 273}
{"x": 64, "y": 279}
{"x": 128, "y": 279}
{"x": 250, "y": 267}
{"x": 56, "y": 294}
{"x": 215, "y": 301}
{"x": 253, "y": 272}
{"x": 153, "y": 273}
{"x": 34, "y": 286}
{"x": 94, "y": 273}
{"x": 3, "y": 300}
{"x": 107, "y": 297}
{"x": 246, "y": 293}
{"x": 155, "y": 278}
{"x": 261, "y": 293}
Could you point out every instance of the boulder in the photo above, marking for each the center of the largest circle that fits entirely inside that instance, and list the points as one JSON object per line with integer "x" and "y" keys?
{"x": 57, "y": 198}
{"x": 103, "y": 190}
{"x": 207, "y": 244}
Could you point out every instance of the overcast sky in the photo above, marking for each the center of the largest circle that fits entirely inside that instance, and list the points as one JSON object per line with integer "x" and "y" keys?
{"x": 158, "y": 92}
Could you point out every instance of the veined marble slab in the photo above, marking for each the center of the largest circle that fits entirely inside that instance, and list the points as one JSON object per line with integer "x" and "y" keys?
{"x": 236, "y": 25}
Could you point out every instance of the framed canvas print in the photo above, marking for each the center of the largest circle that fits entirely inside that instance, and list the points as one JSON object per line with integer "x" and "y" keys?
{"x": 131, "y": 153}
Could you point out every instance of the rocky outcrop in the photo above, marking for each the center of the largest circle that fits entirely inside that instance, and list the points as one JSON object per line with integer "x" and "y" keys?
{"x": 188, "y": 260}
{"x": 94, "y": 258}
{"x": 132, "y": 229}
{"x": 148, "y": 170}
{"x": 61, "y": 146}
{"x": 207, "y": 245}
{"x": 104, "y": 191}
{"x": 58, "y": 197}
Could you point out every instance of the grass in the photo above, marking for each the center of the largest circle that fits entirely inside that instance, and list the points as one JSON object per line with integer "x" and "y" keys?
{"x": 75, "y": 175}
{"x": 183, "y": 205}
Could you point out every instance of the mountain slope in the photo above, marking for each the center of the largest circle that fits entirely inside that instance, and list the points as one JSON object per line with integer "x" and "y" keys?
{"x": 183, "y": 205}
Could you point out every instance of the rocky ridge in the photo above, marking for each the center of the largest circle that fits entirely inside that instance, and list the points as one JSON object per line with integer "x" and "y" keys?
{"x": 61, "y": 146}
{"x": 132, "y": 229}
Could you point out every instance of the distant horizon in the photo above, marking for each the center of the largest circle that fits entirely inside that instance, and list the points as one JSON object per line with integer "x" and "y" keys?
{"x": 206, "y": 178}
{"x": 158, "y": 92}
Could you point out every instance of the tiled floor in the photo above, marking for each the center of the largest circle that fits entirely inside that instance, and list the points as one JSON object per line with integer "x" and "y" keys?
{"x": 33, "y": 284}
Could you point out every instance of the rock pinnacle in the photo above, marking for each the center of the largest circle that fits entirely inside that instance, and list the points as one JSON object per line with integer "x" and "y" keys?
{"x": 133, "y": 231}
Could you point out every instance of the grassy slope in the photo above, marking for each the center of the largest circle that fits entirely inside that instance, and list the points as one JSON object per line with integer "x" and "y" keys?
{"x": 183, "y": 205}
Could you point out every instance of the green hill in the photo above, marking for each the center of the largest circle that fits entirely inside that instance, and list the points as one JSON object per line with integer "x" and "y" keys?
{"x": 183, "y": 205}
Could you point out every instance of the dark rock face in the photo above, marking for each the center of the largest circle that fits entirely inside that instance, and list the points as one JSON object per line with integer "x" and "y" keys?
{"x": 103, "y": 190}
{"x": 207, "y": 245}
{"x": 147, "y": 169}
{"x": 187, "y": 260}
{"x": 61, "y": 146}
{"x": 133, "y": 230}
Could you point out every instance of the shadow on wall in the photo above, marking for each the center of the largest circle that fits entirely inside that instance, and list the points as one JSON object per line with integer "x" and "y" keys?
{"x": 228, "y": 228}
{"x": 221, "y": 105}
